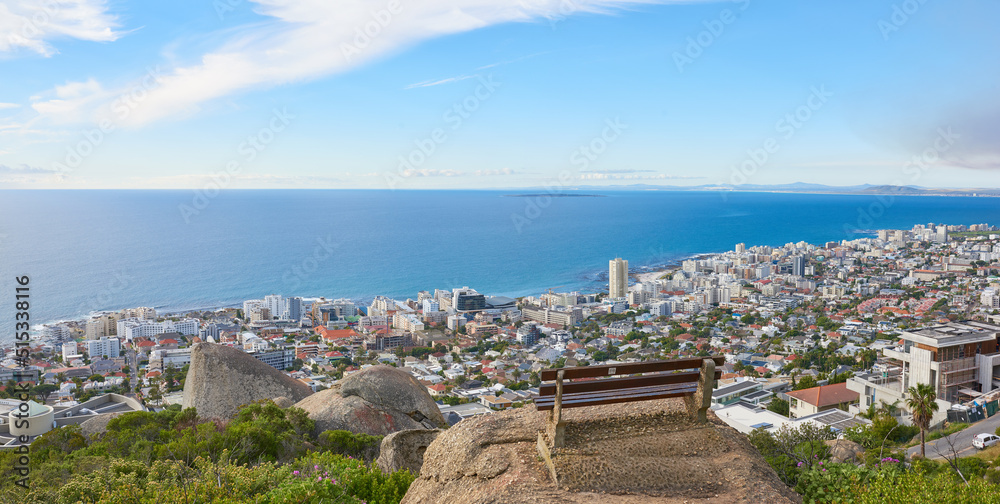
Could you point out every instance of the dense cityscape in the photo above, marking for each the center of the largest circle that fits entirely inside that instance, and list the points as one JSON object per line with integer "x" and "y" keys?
{"x": 831, "y": 315}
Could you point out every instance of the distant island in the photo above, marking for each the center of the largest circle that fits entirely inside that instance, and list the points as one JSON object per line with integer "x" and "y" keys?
{"x": 554, "y": 195}
{"x": 802, "y": 187}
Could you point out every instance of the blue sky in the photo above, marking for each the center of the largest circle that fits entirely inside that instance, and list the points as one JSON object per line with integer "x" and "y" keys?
{"x": 497, "y": 93}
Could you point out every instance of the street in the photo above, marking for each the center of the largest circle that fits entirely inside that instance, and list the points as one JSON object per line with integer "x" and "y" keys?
{"x": 962, "y": 440}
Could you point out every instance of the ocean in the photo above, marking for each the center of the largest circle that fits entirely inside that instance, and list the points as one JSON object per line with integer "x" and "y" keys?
{"x": 88, "y": 251}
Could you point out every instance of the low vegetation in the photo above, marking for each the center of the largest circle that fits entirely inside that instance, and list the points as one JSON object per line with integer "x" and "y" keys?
{"x": 265, "y": 454}
{"x": 880, "y": 475}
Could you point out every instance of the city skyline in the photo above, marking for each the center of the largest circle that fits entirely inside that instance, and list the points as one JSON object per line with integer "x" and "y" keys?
{"x": 534, "y": 94}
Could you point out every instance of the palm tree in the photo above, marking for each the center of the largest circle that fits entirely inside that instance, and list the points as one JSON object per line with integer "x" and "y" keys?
{"x": 922, "y": 405}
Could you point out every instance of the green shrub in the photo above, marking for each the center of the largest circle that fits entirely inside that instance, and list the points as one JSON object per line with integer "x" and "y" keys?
{"x": 362, "y": 446}
{"x": 173, "y": 456}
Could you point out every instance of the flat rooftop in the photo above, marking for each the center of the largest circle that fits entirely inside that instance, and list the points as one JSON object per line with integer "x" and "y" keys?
{"x": 953, "y": 333}
{"x": 735, "y": 388}
{"x": 836, "y": 419}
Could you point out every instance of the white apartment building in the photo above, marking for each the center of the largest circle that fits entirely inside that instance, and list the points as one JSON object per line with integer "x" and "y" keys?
{"x": 57, "y": 332}
{"x": 431, "y": 305}
{"x": 407, "y": 322}
{"x": 166, "y": 358}
{"x": 70, "y": 351}
{"x": 373, "y": 321}
{"x": 990, "y": 299}
{"x": 275, "y": 304}
{"x": 110, "y": 347}
{"x": 134, "y": 327}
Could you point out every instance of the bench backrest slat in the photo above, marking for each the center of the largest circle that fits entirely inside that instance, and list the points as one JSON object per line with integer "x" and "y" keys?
{"x": 549, "y": 389}
{"x": 628, "y": 368}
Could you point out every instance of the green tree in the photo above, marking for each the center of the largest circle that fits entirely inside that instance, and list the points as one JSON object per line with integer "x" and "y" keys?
{"x": 43, "y": 391}
{"x": 805, "y": 382}
{"x": 922, "y": 405}
{"x": 779, "y": 406}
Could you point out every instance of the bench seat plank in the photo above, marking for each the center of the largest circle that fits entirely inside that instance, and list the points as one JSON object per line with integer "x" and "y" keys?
{"x": 613, "y": 397}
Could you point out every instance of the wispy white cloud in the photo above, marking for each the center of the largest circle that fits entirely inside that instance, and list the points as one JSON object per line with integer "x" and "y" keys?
{"x": 430, "y": 83}
{"x": 308, "y": 39}
{"x": 25, "y": 169}
{"x": 31, "y": 25}
{"x": 493, "y": 173}
{"x": 8, "y": 106}
{"x": 248, "y": 180}
{"x": 629, "y": 174}
{"x": 424, "y": 172}
{"x": 449, "y": 80}
{"x": 71, "y": 102}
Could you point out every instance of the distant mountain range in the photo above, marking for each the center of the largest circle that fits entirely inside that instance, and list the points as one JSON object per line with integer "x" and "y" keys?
{"x": 802, "y": 187}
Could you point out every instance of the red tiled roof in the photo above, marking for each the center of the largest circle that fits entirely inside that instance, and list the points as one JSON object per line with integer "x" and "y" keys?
{"x": 826, "y": 395}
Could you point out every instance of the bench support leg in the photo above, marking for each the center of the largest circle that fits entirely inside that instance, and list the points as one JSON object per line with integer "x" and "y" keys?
{"x": 698, "y": 404}
{"x": 559, "y": 434}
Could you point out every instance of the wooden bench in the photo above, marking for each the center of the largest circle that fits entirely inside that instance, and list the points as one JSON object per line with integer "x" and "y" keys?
{"x": 693, "y": 379}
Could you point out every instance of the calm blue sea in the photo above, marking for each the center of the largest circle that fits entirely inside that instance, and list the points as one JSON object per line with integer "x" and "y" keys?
{"x": 102, "y": 250}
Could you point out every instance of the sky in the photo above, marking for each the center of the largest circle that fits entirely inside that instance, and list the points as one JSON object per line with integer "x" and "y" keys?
{"x": 397, "y": 94}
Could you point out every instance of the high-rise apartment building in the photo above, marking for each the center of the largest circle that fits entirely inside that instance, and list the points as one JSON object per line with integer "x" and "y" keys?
{"x": 617, "y": 278}
{"x": 466, "y": 299}
{"x": 293, "y": 309}
{"x": 799, "y": 265}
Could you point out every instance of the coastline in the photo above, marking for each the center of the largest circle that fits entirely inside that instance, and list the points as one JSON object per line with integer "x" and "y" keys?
{"x": 657, "y": 270}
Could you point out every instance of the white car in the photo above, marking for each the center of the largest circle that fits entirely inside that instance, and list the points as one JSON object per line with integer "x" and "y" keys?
{"x": 982, "y": 441}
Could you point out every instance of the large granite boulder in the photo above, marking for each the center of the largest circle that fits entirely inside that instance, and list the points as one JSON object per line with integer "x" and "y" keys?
{"x": 405, "y": 450}
{"x": 632, "y": 453}
{"x": 220, "y": 379}
{"x": 842, "y": 450}
{"x": 377, "y": 401}
{"x": 386, "y": 388}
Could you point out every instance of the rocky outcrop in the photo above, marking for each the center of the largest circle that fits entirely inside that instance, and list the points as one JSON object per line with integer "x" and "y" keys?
{"x": 97, "y": 425}
{"x": 405, "y": 450}
{"x": 643, "y": 452}
{"x": 842, "y": 450}
{"x": 221, "y": 379}
{"x": 378, "y": 401}
{"x": 283, "y": 402}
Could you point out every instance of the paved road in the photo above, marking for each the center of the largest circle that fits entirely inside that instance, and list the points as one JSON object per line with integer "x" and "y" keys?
{"x": 962, "y": 439}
